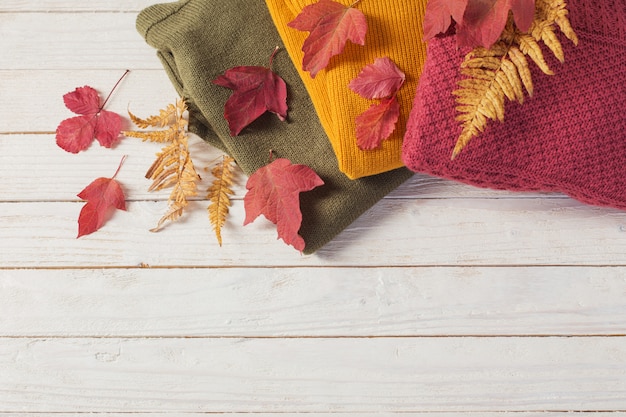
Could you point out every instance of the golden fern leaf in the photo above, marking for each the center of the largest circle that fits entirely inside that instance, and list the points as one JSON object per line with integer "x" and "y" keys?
{"x": 166, "y": 116}
{"x": 173, "y": 166}
{"x": 480, "y": 96}
{"x": 160, "y": 136}
{"x": 493, "y": 74}
{"x": 170, "y": 117}
{"x": 219, "y": 194}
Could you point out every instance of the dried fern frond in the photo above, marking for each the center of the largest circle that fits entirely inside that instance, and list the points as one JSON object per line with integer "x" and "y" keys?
{"x": 219, "y": 194}
{"x": 174, "y": 169}
{"x": 166, "y": 116}
{"x": 159, "y": 136}
{"x": 173, "y": 166}
{"x": 491, "y": 75}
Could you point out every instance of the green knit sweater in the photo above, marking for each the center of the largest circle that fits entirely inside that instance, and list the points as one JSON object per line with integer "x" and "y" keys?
{"x": 197, "y": 40}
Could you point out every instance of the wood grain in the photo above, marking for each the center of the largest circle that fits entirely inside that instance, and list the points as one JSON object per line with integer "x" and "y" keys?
{"x": 73, "y": 6}
{"x": 313, "y": 375}
{"x": 306, "y": 302}
{"x": 331, "y": 414}
{"x": 412, "y": 233}
{"x": 81, "y": 40}
{"x": 59, "y": 176}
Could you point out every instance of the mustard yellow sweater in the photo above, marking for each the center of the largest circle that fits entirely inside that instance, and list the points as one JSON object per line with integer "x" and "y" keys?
{"x": 395, "y": 31}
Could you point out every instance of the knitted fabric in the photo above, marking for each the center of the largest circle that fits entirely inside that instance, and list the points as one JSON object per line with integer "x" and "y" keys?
{"x": 569, "y": 137}
{"x": 394, "y": 30}
{"x": 197, "y": 40}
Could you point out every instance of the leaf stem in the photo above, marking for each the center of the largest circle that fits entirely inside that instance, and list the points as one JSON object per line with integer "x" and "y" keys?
{"x": 119, "y": 166}
{"x": 355, "y": 2}
{"x": 113, "y": 89}
{"x": 272, "y": 56}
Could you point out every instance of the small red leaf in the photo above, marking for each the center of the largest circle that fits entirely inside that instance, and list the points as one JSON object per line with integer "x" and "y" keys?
{"x": 439, "y": 14}
{"x": 83, "y": 100}
{"x": 484, "y": 20}
{"x": 255, "y": 90}
{"x": 377, "y": 123}
{"x": 108, "y": 127}
{"x": 523, "y": 13}
{"x": 76, "y": 133}
{"x": 274, "y": 191}
{"x": 479, "y": 22}
{"x": 378, "y": 80}
{"x": 330, "y": 26}
{"x": 101, "y": 195}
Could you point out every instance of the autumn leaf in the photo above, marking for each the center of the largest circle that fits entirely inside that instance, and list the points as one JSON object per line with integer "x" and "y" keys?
{"x": 219, "y": 195}
{"x": 274, "y": 191}
{"x": 256, "y": 90}
{"x": 377, "y": 123}
{"x": 439, "y": 14}
{"x": 378, "y": 80}
{"x": 173, "y": 167}
{"x": 102, "y": 195}
{"x": 484, "y": 20}
{"x": 75, "y": 134}
{"x": 330, "y": 26}
{"x": 479, "y": 22}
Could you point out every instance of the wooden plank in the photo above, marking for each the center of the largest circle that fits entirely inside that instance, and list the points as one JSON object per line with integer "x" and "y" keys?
{"x": 74, "y": 5}
{"x": 383, "y": 414}
{"x": 313, "y": 302}
{"x": 81, "y": 40}
{"x": 395, "y": 232}
{"x": 313, "y": 375}
{"x": 34, "y": 98}
{"x": 59, "y": 175}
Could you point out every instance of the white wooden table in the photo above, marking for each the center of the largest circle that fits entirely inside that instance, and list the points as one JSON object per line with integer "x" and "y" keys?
{"x": 443, "y": 300}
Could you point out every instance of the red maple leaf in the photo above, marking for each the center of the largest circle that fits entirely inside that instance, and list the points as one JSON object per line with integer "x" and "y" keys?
{"x": 378, "y": 80}
{"x": 479, "y": 22}
{"x": 330, "y": 26}
{"x": 76, "y": 133}
{"x": 256, "y": 90}
{"x": 439, "y": 15}
{"x": 484, "y": 20}
{"x": 274, "y": 191}
{"x": 102, "y": 195}
{"x": 377, "y": 123}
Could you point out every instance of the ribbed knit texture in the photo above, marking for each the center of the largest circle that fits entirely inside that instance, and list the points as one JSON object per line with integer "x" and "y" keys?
{"x": 395, "y": 31}
{"x": 197, "y": 40}
{"x": 569, "y": 137}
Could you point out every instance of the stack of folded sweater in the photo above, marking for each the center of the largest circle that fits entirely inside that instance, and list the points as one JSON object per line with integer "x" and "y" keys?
{"x": 569, "y": 137}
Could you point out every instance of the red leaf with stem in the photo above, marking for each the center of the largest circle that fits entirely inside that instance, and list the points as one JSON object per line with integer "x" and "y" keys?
{"x": 75, "y": 134}
{"x": 330, "y": 26}
{"x": 378, "y": 80}
{"x": 274, "y": 191}
{"x": 102, "y": 195}
{"x": 256, "y": 90}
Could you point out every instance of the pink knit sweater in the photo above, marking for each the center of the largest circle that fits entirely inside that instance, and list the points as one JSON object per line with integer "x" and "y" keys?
{"x": 569, "y": 137}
